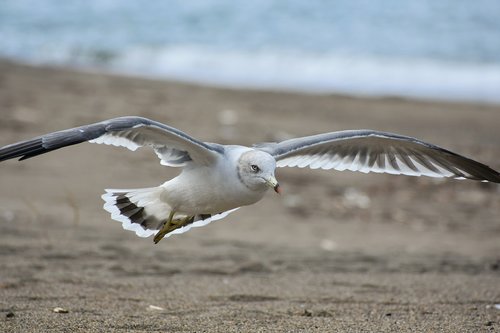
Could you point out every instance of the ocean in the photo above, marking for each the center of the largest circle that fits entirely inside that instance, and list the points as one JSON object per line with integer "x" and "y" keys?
{"x": 446, "y": 49}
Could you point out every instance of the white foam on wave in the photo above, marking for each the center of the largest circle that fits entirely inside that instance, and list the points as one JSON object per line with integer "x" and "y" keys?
{"x": 299, "y": 71}
{"x": 318, "y": 73}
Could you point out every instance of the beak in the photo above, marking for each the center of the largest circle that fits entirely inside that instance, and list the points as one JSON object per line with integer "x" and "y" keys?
{"x": 273, "y": 183}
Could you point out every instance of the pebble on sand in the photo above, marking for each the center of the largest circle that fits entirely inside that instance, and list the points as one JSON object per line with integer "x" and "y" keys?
{"x": 60, "y": 310}
{"x": 154, "y": 307}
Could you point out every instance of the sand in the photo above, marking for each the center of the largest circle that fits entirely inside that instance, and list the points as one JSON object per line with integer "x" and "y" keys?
{"x": 338, "y": 252}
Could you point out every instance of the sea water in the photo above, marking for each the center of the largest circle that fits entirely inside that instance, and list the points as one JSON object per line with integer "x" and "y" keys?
{"x": 446, "y": 49}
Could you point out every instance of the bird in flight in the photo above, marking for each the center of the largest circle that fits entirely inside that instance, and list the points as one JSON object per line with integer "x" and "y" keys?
{"x": 218, "y": 179}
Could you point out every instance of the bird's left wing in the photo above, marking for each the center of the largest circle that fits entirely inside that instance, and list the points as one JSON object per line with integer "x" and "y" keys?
{"x": 373, "y": 151}
{"x": 173, "y": 147}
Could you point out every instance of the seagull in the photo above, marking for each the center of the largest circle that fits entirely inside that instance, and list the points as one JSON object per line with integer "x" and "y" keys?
{"x": 218, "y": 179}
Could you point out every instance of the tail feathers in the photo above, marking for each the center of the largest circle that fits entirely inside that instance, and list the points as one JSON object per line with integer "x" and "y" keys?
{"x": 139, "y": 210}
{"x": 142, "y": 211}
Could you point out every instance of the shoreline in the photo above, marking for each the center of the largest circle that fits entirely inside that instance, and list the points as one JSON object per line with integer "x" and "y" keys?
{"x": 256, "y": 89}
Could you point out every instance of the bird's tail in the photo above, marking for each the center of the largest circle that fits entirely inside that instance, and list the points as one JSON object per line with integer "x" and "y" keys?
{"x": 143, "y": 211}
{"x": 139, "y": 210}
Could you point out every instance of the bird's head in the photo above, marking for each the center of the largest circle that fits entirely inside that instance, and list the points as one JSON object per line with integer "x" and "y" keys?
{"x": 256, "y": 171}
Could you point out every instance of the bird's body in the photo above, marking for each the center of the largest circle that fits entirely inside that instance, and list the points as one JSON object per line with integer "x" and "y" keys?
{"x": 211, "y": 190}
{"x": 218, "y": 179}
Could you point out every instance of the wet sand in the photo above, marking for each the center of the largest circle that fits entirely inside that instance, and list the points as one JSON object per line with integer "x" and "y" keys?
{"x": 338, "y": 252}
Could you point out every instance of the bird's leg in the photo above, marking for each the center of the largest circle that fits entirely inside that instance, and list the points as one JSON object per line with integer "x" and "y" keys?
{"x": 165, "y": 229}
{"x": 171, "y": 225}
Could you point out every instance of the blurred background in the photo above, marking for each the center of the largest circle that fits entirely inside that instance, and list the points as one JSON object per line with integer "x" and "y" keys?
{"x": 444, "y": 49}
{"x": 338, "y": 251}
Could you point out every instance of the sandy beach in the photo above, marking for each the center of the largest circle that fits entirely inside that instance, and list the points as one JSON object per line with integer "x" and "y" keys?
{"x": 337, "y": 252}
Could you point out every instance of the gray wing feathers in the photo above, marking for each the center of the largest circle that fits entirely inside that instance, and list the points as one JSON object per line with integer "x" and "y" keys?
{"x": 372, "y": 151}
{"x": 172, "y": 157}
{"x": 173, "y": 147}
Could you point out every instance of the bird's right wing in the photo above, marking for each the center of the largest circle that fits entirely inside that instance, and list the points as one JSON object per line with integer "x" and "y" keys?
{"x": 173, "y": 147}
{"x": 374, "y": 151}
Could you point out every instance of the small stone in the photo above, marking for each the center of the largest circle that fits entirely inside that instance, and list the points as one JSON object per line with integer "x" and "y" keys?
{"x": 8, "y": 216}
{"x": 356, "y": 199}
{"x": 156, "y": 308}
{"x": 292, "y": 200}
{"x": 60, "y": 310}
{"x": 328, "y": 245}
{"x": 495, "y": 266}
{"x": 227, "y": 117}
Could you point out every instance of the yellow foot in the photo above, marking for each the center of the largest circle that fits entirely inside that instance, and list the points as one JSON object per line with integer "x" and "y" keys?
{"x": 163, "y": 231}
{"x": 171, "y": 225}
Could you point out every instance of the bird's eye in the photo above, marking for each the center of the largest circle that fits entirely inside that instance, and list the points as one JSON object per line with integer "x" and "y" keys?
{"x": 255, "y": 168}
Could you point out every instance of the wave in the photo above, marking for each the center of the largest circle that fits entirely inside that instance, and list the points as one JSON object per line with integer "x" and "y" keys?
{"x": 298, "y": 71}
